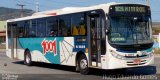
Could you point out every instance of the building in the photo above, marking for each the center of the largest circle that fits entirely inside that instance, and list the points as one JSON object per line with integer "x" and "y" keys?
{"x": 2, "y": 31}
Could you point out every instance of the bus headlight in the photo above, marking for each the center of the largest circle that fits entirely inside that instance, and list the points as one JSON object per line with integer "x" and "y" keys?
{"x": 150, "y": 54}
{"x": 113, "y": 53}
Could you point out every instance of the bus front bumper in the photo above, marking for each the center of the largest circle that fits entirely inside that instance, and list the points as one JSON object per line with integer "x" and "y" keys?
{"x": 115, "y": 63}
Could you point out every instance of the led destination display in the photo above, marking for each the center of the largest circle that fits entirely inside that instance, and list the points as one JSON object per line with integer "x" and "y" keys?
{"x": 130, "y": 8}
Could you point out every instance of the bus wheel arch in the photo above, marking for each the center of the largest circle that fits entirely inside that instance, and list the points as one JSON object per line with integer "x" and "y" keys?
{"x": 27, "y": 57}
{"x": 80, "y": 59}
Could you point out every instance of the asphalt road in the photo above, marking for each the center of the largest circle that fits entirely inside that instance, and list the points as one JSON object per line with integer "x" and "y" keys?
{"x": 11, "y": 69}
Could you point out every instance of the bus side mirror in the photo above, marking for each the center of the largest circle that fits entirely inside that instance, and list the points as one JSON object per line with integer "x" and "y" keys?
{"x": 107, "y": 27}
{"x": 107, "y": 32}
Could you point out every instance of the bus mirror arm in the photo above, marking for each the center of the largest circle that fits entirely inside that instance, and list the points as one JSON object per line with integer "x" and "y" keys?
{"x": 107, "y": 31}
{"x": 107, "y": 27}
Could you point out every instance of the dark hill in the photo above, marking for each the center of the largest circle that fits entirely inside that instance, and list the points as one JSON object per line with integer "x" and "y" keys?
{"x": 10, "y": 13}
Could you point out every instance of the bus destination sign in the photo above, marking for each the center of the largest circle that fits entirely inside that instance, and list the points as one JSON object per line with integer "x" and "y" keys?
{"x": 130, "y": 9}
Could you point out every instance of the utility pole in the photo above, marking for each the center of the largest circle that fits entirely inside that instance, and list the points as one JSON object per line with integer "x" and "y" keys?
{"x": 22, "y": 7}
{"x": 37, "y": 6}
{"x": 148, "y": 2}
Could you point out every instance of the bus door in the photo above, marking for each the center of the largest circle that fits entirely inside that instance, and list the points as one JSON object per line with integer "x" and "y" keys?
{"x": 13, "y": 41}
{"x": 95, "y": 40}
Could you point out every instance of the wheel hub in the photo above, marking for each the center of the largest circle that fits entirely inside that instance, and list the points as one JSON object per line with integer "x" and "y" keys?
{"x": 27, "y": 59}
{"x": 83, "y": 64}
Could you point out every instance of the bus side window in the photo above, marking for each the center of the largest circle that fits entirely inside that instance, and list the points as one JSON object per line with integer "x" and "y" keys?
{"x": 32, "y": 34}
{"x": 52, "y": 27}
{"x": 74, "y": 31}
{"x": 32, "y": 28}
{"x": 82, "y": 30}
{"x": 52, "y": 33}
{"x": 78, "y": 20}
{"x": 41, "y": 28}
{"x": 65, "y": 26}
{"x": 62, "y": 26}
{"x": 20, "y": 29}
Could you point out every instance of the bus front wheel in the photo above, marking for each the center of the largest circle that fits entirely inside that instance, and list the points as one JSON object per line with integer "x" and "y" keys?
{"x": 27, "y": 58}
{"x": 83, "y": 65}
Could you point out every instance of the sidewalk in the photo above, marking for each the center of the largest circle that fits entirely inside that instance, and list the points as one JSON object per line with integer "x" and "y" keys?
{"x": 157, "y": 54}
{"x": 2, "y": 50}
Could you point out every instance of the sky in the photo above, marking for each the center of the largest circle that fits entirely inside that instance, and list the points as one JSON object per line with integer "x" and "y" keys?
{"x": 57, "y": 4}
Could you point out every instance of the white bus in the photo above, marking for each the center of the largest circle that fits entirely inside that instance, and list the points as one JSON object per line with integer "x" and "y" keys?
{"x": 106, "y": 36}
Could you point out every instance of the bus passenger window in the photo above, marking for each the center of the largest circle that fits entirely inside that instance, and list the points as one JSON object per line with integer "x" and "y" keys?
{"x": 32, "y": 28}
{"x": 52, "y": 27}
{"x": 65, "y": 26}
{"x": 62, "y": 26}
{"x": 79, "y": 28}
{"x": 74, "y": 31}
{"x": 20, "y": 29}
{"x": 52, "y": 33}
{"x": 82, "y": 30}
{"x": 20, "y": 34}
{"x": 41, "y": 28}
{"x": 32, "y": 34}
{"x": 64, "y": 32}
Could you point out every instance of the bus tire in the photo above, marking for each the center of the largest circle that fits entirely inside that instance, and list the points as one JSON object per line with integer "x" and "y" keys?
{"x": 27, "y": 58}
{"x": 83, "y": 65}
{"x": 77, "y": 65}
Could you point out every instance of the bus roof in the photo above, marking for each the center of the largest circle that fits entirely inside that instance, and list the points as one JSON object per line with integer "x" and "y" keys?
{"x": 66, "y": 10}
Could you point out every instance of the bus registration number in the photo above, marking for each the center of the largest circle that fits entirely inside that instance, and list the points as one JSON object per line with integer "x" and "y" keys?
{"x": 137, "y": 61}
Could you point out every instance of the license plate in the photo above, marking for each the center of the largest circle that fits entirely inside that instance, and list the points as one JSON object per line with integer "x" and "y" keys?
{"x": 137, "y": 61}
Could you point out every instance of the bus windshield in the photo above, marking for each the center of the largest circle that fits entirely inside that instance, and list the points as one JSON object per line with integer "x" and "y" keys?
{"x": 130, "y": 30}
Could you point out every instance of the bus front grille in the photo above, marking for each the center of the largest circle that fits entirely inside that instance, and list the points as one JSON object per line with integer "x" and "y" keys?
{"x": 132, "y": 63}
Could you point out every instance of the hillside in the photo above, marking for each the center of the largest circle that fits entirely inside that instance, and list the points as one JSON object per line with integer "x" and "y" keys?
{"x": 10, "y": 13}
{"x": 156, "y": 23}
